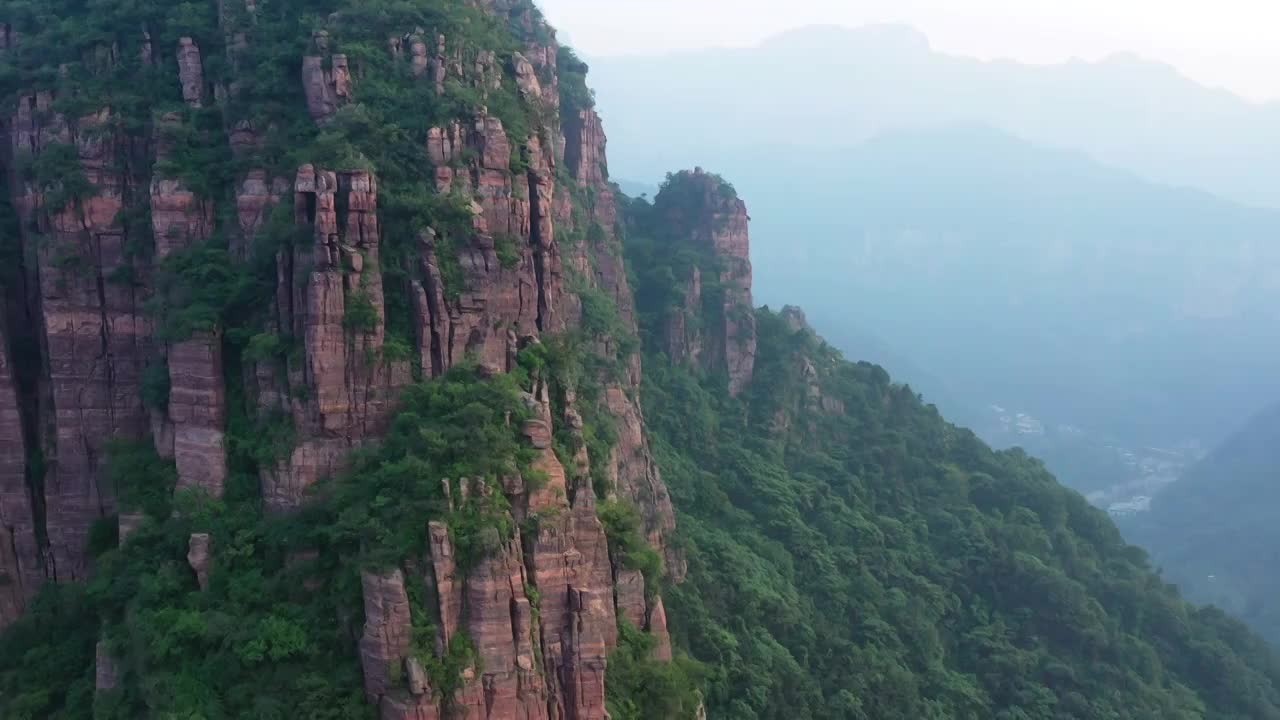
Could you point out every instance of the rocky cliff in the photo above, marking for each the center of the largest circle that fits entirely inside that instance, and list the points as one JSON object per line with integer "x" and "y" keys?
{"x": 242, "y": 257}
{"x": 706, "y": 319}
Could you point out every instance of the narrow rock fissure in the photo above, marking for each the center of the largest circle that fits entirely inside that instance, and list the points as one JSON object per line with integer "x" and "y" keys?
{"x": 104, "y": 335}
{"x": 539, "y": 245}
{"x": 22, "y": 308}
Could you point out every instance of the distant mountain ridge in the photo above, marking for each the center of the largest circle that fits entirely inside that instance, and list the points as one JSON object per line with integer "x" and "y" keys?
{"x": 1029, "y": 277}
{"x": 831, "y": 87}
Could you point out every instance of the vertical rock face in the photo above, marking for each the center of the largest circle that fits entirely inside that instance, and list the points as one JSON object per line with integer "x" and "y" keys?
{"x": 197, "y": 399}
{"x": 632, "y": 472}
{"x": 327, "y": 88}
{"x": 387, "y": 630}
{"x": 197, "y": 409}
{"x": 19, "y": 554}
{"x": 510, "y": 282}
{"x": 448, "y": 585}
{"x": 341, "y": 390}
{"x": 198, "y": 558}
{"x": 585, "y": 667}
{"x": 539, "y": 606}
{"x": 702, "y": 210}
{"x": 585, "y": 149}
{"x": 106, "y": 670}
{"x": 682, "y": 334}
{"x": 94, "y": 334}
{"x": 190, "y": 72}
{"x": 499, "y": 622}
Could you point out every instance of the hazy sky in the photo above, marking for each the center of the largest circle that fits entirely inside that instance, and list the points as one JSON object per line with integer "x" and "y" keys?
{"x": 1227, "y": 43}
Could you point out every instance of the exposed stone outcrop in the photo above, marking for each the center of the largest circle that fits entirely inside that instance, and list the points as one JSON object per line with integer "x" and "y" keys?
{"x": 508, "y": 282}
{"x": 93, "y": 334}
{"x": 388, "y": 630}
{"x": 197, "y": 409}
{"x": 568, "y": 555}
{"x": 197, "y": 404}
{"x": 628, "y": 589}
{"x": 526, "y": 78}
{"x": 198, "y": 557}
{"x": 794, "y": 318}
{"x": 256, "y": 195}
{"x": 540, "y": 605}
{"x": 190, "y": 72}
{"x": 585, "y": 665}
{"x": 683, "y": 334}
{"x": 658, "y": 628}
{"x": 632, "y": 472}
{"x": 635, "y": 476}
{"x": 585, "y": 149}
{"x": 499, "y": 622}
{"x": 330, "y": 297}
{"x": 127, "y": 523}
{"x": 327, "y": 88}
{"x": 106, "y": 668}
{"x": 702, "y": 210}
{"x": 19, "y": 554}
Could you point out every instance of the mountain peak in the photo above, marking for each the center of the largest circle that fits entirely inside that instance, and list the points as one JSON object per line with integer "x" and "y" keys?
{"x": 881, "y": 37}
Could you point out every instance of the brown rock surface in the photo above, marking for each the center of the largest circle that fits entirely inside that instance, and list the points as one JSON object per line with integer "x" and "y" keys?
{"x": 569, "y": 554}
{"x": 628, "y": 588}
{"x": 703, "y": 211}
{"x": 348, "y": 387}
{"x": 508, "y": 686}
{"x": 197, "y": 402}
{"x": 400, "y": 705}
{"x": 585, "y": 143}
{"x": 190, "y": 72}
{"x": 197, "y": 408}
{"x": 19, "y": 553}
{"x": 95, "y": 336}
{"x": 635, "y": 476}
{"x": 447, "y": 584}
{"x": 387, "y": 630}
{"x": 631, "y": 469}
{"x": 585, "y": 663}
{"x": 198, "y": 555}
{"x": 526, "y": 77}
{"x": 658, "y": 629}
{"x": 106, "y": 668}
{"x": 327, "y": 89}
{"x": 511, "y": 280}
{"x": 542, "y": 654}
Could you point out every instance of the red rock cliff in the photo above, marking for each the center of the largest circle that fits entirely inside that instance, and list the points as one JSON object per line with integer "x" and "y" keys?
{"x": 19, "y": 553}
{"x": 540, "y": 230}
{"x": 702, "y": 210}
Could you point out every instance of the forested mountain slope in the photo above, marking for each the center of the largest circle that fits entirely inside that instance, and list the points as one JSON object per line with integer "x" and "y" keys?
{"x": 851, "y": 554}
{"x": 325, "y": 394}
{"x": 1214, "y": 531}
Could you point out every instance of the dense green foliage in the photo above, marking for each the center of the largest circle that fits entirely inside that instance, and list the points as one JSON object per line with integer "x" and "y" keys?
{"x": 881, "y": 563}
{"x": 273, "y": 635}
{"x": 383, "y": 130}
{"x": 1214, "y": 532}
{"x": 855, "y": 559}
{"x": 639, "y": 688}
{"x": 853, "y": 555}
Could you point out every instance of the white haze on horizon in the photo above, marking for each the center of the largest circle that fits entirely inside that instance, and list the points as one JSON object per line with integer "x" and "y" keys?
{"x": 1228, "y": 43}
